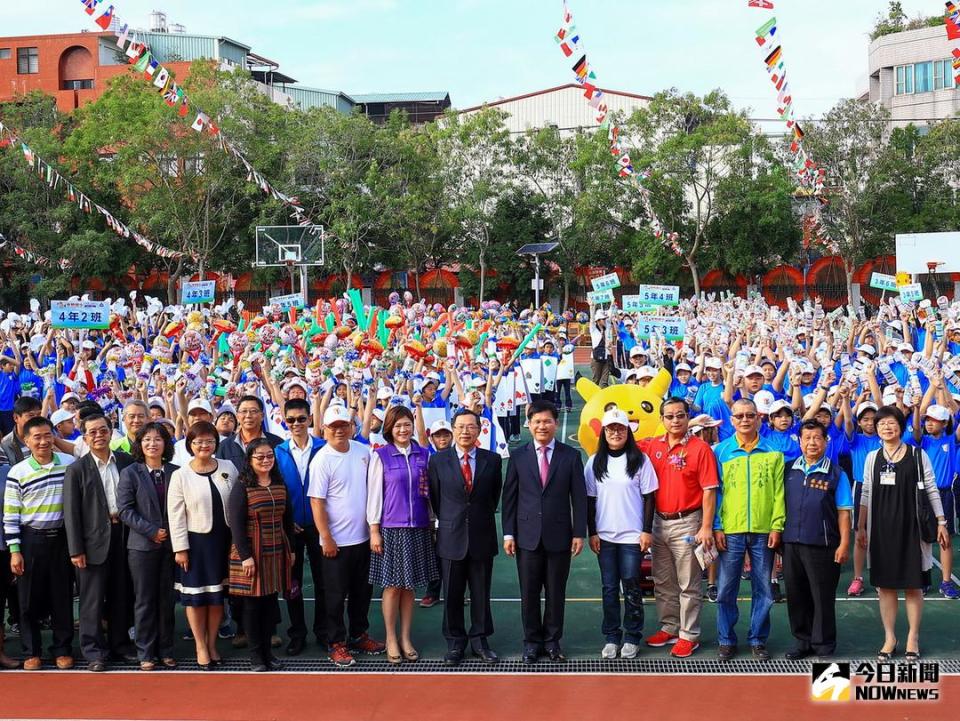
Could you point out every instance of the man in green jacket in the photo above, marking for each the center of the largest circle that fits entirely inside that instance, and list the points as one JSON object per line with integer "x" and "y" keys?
{"x": 749, "y": 519}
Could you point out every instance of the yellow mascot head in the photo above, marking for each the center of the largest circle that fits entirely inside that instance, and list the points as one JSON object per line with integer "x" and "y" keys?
{"x": 641, "y": 404}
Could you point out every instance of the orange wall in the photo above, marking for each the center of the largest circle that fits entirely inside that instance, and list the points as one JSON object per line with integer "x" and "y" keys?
{"x": 50, "y": 50}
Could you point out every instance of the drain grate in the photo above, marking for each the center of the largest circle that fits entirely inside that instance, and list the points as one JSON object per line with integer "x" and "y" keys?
{"x": 515, "y": 665}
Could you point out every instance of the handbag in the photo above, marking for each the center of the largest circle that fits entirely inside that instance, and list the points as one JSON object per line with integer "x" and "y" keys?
{"x": 926, "y": 519}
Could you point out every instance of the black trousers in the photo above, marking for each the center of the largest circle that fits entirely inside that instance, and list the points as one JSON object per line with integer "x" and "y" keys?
{"x": 457, "y": 575}
{"x": 106, "y": 591}
{"x": 306, "y": 547}
{"x": 45, "y": 586}
{"x": 811, "y": 579}
{"x": 259, "y": 622}
{"x": 154, "y": 601}
{"x": 546, "y": 571}
{"x": 8, "y": 589}
{"x": 563, "y": 392}
{"x": 345, "y": 585}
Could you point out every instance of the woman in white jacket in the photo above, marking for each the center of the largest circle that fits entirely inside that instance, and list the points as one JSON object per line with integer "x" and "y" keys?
{"x": 196, "y": 505}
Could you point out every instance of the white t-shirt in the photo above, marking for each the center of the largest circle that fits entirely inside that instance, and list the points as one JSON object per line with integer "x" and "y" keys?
{"x": 620, "y": 498}
{"x": 341, "y": 480}
{"x": 181, "y": 456}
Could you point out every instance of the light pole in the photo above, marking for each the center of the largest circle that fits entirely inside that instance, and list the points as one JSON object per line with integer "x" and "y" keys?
{"x": 536, "y": 250}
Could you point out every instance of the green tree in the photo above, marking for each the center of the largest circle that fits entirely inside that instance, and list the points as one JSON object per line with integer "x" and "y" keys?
{"x": 689, "y": 146}
{"x": 850, "y": 145}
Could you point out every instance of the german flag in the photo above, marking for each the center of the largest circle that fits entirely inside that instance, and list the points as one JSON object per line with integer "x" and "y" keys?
{"x": 798, "y": 132}
{"x": 773, "y": 58}
{"x": 580, "y": 67}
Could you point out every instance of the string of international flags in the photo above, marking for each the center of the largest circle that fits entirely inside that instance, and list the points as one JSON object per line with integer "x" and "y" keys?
{"x": 50, "y": 175}
{"x": 568, "y": 39}
{"x": 952, "y": 23}
{"x": 141, "y": 57}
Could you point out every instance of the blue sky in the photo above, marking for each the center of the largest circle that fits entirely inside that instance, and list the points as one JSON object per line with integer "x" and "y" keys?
{"x": 479, "y": 50}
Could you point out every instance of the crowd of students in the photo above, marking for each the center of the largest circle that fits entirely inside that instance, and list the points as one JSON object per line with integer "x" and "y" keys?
{"x": 207, "y": 456}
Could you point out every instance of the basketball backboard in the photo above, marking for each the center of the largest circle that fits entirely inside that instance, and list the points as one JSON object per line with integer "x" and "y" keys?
{"x": 288, "y": 245}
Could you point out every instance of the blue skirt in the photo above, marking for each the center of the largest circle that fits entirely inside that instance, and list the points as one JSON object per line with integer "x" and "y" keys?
{"x": 408, "y": 559}
{"x": 206, "y": 583}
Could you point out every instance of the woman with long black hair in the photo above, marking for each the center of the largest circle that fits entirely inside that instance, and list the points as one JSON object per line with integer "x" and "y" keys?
{"x": 620, "y": 486}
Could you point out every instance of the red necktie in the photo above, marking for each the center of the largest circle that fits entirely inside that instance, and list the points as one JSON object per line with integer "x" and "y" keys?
{"x": 544, "y": 466}
{"x": 467, "y": 473}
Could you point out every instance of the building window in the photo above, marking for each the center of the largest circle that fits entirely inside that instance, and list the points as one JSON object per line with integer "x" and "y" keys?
{"x": 4, "y": 53}
{"x": 923, "y": 77}
{"x": 943, "y": 75}
{"x": 78, "y": 85}
{"x": 28, "y": 61}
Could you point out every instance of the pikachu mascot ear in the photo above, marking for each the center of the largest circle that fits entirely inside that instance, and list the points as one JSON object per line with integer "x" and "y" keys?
{"x": 586, "y": 388}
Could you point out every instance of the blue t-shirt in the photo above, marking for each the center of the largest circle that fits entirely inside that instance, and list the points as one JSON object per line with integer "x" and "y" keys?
{"x": 942, "y": 452}
{"x": 31, "y": 384}
{"x": 860, "y": 446}
{"x": 9, "y": 390}
{"x": 708, "y": 395}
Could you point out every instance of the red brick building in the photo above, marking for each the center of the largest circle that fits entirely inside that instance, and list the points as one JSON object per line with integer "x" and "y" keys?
{"x": 72, "y": 68}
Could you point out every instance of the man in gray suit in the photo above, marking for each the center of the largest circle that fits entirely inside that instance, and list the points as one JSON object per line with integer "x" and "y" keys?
{"x": 96, "y": 541}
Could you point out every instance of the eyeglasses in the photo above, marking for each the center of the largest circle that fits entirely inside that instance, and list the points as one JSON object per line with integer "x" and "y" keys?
{"x": 615, "y": 430}
{"x": 249, "y": 412}
{"x": 675, "y": 417}
{"x": 262, "y": 457}
{"x": 94, "y": 432}
{"x": 296, "y": 419}
{"x": 471, "y": 427}
{"x": 203, "y": 442}
{"x": 744, "y": 416}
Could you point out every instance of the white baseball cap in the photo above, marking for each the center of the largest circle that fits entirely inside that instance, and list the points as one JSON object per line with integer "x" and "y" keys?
{"x": 70, "y": 395}
{"x": 336, "y": 414}
{"x": 615, "y": 417}
{"x": 778, "y": 406}
{"x": 713, "y": 363}
{"x": 868, "y": 406}
{"x": 383, "y": 394}
{"x": 379, "y": 414}
{"x": 155, "y": 402}
{"x": 637, "y": 350}
{"x": 59, "y": 416}
{"x": 646, "y": 372}
{"x": 601, "y": 315}
{"x": 439, "y": 426}
{"x": 199, "y": 404}
{"x": 682, "y": 367}
{"x": 867, "y": 348}
{"x": 88, "y": 345}
{"x": 763, "y": 400}
{"x": 753, "y": 370}
{"x": 938, "y": 413}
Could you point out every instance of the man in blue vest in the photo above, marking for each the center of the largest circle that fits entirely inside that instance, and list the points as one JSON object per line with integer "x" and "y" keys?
{"x": 293, "y": 458}
{"x": 816, "y": 539}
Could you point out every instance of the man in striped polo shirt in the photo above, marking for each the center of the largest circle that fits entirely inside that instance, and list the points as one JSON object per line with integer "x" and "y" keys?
{"x": 33, "y": 526}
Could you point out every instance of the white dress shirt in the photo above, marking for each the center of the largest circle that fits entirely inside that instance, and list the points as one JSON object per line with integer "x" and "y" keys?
{"x": 110, "y": 478}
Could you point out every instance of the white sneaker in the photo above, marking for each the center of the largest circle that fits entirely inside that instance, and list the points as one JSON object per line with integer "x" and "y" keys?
{"x": 609, "y": 651}
{"x": 629, "y": 650}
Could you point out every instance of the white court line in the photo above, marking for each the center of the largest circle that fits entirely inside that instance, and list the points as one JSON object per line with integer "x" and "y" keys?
{"x": 649, "y": 600}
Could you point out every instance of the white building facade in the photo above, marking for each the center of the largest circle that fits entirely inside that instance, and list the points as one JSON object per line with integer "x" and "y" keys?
{"x": 911, "y": 74}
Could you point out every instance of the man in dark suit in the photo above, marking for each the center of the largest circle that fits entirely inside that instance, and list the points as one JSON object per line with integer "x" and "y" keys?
{"x": 544, "y": 524}
{"x": 96, "y": 542}
{"x": 465, "y": 485}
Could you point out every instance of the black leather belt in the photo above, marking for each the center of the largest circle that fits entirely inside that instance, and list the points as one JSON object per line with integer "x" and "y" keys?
{"x": 679, "y": 514}
{"x": 43, "y": 532}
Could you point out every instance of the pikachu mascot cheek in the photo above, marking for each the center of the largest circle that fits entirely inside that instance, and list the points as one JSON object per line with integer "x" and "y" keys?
{"x": 641, "y": 404}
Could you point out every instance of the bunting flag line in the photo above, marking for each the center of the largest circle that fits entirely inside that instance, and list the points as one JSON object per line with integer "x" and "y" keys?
{"x": 810, "y": 176}
{"x": 952, "y": 23}
{"x": 173, "y": 95}
{"x": 567, "y": 37}
{"x": 54, "y": 179}
{"x": 32, "y": 257}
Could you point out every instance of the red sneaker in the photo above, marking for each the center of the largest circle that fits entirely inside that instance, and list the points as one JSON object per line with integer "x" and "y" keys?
{"x": 684, "y": 648}
{"x": 341, "y": 656}
{"x": 429, "y": 601}
{"x": 367, "y": 645}
{"x": 660, "y": 639}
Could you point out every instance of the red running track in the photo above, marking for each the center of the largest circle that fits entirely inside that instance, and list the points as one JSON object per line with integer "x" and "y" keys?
{"x": 423, "y": 697}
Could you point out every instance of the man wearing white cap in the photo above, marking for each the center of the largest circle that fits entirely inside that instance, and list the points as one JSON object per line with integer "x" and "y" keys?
{"x": 338, "y": 499}
{"x": 602, "y": 346}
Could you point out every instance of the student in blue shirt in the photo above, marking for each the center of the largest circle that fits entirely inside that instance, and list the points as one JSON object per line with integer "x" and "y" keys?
{"x": 861, "y": 440}
{"x": 780, "y": 431}
{"x": 936, "y": 436}
{"x": 9, "y": 391}
{"x": 683, "y": 385}
{"x": 710, "y": 391}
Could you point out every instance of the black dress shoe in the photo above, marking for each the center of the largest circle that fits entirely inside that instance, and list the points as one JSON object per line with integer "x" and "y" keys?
{"x": 96, "y": 666}
{"x": 556, "y": 655}
{"x": 295, "y": 647}
{"x": 760, "y": 653}
{"x": 530, "y": 657}
{"x": 453, "y": 657}
{"x": 798, "y": 654}
{"x": 486, "y": 655}
{"x": 276, "y": 664}
{"x": 258, "y": 667}
{"x": 726, "y": 653}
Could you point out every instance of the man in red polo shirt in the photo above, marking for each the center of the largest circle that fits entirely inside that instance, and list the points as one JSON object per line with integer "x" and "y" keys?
{"x": 686, "y": 500}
